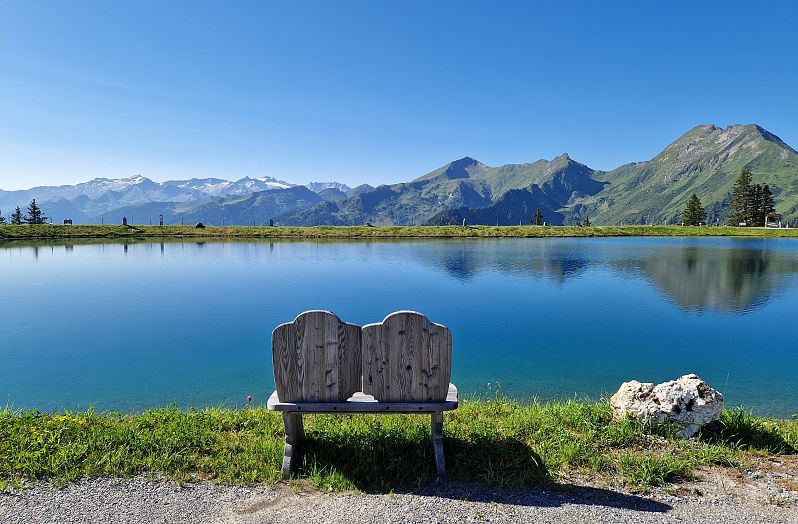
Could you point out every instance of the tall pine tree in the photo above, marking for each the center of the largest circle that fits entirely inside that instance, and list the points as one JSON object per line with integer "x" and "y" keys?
{"x": 694, "y": 213}
{"x": 17, "y": 218}
{"x": 755, "y": 215}
{"x": 740, "y": 210}
{"x": 538, "y": 219}
{"x": 2, "y": 218}
{"x": 35, "y": 215}
{"x": 768, "y": 201}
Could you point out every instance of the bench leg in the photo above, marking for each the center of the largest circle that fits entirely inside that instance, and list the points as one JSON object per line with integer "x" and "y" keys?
{"x": 437, "y": 442}
{"x": 294, "y": 435}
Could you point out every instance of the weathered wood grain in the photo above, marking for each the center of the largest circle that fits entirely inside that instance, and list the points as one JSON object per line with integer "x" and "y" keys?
{"x": 316, "y": 358}
{"x": 362, "y": 403}
{"x": 294, "y": 435}
{"x": 436, "y": 428}
{"x": 406, "y": 358}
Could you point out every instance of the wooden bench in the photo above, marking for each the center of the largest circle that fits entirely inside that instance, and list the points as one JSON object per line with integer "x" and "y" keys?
{"x": 324, "y": 365}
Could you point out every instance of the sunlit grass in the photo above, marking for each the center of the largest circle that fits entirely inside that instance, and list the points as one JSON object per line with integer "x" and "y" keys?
{"x": 499, "y": 443}
{"x": 53, "y": 231}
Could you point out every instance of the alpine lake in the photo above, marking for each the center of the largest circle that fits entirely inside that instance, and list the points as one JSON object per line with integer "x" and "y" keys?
{"x": 131, "y": 325}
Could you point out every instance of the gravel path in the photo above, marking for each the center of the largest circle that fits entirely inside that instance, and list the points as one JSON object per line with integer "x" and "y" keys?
{"x": 140, "y": 500}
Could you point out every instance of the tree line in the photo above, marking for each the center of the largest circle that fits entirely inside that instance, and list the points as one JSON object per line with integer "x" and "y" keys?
{"x": 750, "y": 204}
{"x": 34, "y": 216}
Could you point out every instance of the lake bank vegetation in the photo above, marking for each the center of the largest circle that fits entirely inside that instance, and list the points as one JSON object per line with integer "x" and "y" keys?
{"x": 498, "y": 442}
{"x": 52, "y": 231}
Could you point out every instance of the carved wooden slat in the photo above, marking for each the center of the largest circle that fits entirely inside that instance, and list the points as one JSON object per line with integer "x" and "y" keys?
{"x": 352, "y": 381}
{"x": 406, "y": 358}
{"x": 375, "y": 360}
{"x": 316, "y": 358}
{"x": 332, "y": 357}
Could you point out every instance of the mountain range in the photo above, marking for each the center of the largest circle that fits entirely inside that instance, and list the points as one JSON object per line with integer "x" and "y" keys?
{"x": 142, "y": 199}
{"x": 706, "y": 160}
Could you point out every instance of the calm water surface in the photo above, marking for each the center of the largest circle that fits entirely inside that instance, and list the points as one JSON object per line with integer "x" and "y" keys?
{"x": 138, "y": 325}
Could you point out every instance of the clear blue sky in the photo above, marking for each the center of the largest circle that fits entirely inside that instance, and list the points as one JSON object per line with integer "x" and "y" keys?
{"x": 372, "y": 91}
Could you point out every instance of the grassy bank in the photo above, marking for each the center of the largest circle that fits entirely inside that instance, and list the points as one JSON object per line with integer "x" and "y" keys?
{"x": 501, "y": 443}
{"x": 51, "y": 231}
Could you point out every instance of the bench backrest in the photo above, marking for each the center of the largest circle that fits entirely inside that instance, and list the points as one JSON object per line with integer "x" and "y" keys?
{"x": 316, "y": 358}
{"x": 406, "y": 358}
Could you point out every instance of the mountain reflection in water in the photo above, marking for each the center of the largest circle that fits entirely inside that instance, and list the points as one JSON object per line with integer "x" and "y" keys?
{"x": 734, "y": 275}
{"x": 738, "y": 278}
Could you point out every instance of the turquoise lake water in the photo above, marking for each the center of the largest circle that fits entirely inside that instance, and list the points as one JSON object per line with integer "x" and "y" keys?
{"x": 138, "y": 325}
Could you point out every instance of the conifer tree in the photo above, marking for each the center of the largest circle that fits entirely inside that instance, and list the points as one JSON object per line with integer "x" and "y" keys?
{"x": 755, "y": 215}
{"x": 750, "y": 203}
{"x": 35, "y": 214}
{"x": 768, "y": 202}
{"x": 2, "y": 218}
{"x": 17, "y": 218}
{"x": 694, "y": 213}
{"x": 538, "y": 220}
{"x": 586, "y": 222}
{"x": 740, "y": 210}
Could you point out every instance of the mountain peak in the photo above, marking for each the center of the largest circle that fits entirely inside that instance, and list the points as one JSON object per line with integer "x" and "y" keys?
{"x": 560, "y": 162}
{"x": 464, "y": 167}
{"x": 465, "y": 163}
{"x": 318, "y": 187}
{"x": 271, "y": 179}
{"x": 115, "y": 183}
{"x": 709, "y": 136}
{"x": 770, "y": 137}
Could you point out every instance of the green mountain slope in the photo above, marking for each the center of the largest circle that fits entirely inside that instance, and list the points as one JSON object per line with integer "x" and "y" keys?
{"x": 465, "y": 184}
{"x": 515, "y": 207}
{"x": 705, "y": 161}
{"x": 547, "y": 185}
{"x": 407, "y": 203}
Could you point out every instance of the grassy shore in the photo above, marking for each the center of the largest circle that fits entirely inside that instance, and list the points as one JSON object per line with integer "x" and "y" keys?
{"x": 51, "y": 231}
{"x": 498, "y": 443}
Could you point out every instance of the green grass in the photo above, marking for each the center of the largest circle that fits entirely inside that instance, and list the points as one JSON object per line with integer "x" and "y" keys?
{"x": 51, "y": 231}
{"x": 502, "y": 443}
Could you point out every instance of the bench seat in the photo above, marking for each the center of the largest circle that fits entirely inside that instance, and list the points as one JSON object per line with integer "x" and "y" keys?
{"x": 362, "y": 403}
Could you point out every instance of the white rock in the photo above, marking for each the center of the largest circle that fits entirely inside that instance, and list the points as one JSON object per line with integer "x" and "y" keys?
{"x": 687, "y": 401}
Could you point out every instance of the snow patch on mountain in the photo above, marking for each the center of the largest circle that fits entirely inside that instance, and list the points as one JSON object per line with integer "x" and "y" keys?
{"x": 101, "y": 195}
{"x": 318, "y": 187}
